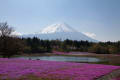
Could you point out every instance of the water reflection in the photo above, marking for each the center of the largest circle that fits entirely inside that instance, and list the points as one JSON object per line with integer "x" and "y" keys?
{"x": 63, "y": 58}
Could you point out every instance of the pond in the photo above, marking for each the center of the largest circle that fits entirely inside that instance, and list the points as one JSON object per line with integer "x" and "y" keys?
{"x": 63, "y": 58}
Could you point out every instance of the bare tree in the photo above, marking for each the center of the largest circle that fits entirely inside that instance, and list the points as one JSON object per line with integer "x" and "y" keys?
{"x": 5, "y": 29}
{"x": 9, "y": 45}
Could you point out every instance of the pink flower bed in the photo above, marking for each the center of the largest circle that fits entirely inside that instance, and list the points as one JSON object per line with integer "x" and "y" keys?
{"x": 57, "y": 52}
{"x": 16, "y": 69}
{"x": 75, "y": 53}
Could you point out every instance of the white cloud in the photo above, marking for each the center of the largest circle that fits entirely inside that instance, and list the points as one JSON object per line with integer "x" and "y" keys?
{"x": 92, "y": 35}
{"x": 15, "y": 33}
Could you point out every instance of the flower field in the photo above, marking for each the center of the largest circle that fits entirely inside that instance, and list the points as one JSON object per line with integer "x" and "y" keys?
{"x": 70, "y": 53}
{"x": 59, "y": 53}
{"x": 20, "y": 69}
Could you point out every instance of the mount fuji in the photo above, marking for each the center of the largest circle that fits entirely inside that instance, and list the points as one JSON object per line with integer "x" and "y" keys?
{"x": 61, "y": 31}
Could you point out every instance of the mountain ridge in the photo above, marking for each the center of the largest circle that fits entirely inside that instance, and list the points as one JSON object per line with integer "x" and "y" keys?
{"x": 60, "y": 31}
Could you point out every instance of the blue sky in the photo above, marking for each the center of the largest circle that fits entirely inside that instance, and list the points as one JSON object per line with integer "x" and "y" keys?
{"x": 94, "y": 17}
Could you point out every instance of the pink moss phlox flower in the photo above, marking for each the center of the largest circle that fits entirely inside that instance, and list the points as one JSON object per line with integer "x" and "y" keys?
{"x": 15, "y": 69}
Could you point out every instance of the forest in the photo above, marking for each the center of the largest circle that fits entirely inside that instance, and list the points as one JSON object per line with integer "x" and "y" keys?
{"x": 35, "y": 45}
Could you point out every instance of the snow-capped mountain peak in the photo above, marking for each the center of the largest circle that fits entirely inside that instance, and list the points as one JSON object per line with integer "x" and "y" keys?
{"x": 60, "y": 31}
{"x": 59, "y": 27}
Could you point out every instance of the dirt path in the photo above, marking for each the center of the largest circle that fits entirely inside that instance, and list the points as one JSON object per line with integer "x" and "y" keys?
{"x": 110, "y": 76}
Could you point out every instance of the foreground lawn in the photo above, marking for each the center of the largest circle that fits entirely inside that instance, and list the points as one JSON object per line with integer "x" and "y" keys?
{"x": 18, "y": 69}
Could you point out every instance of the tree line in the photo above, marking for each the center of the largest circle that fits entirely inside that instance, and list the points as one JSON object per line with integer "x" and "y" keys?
{"x": 35, "y": 45}
{"x": 12, "y": 45}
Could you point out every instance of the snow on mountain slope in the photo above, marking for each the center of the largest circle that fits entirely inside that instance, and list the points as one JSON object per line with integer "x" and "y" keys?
{"x": 60, "y": 27}
{"x": 60, "y": 31}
